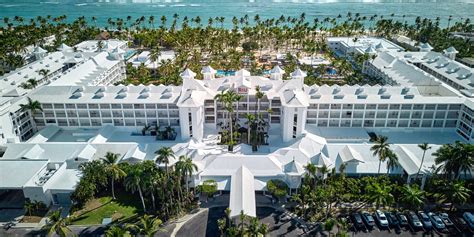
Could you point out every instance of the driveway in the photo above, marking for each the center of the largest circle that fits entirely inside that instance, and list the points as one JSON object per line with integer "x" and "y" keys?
{"x": 205, "y": 224}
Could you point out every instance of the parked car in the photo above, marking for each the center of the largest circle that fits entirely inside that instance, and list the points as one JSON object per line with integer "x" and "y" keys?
{"x": 357, "y": 220}
{"x": 402, "y": 219}
{"x": 368, "y": 219}
{"x": 414, "y": 220}
{"x": 460, "y": 223}
{"x": 437, "y": 221}
{"x": 381, "y": 219}
{"x": 469, "y": 217}
{"x": 392, "y": 219}
{"x": 446, "y": 220}
{"x": 425, "y": 219}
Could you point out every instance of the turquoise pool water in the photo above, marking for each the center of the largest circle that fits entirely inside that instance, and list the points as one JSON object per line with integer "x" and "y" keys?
{"x": 129, "y": 54}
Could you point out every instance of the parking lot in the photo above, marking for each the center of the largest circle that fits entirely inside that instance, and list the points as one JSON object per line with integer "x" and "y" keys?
{"x": 406, "y": 230}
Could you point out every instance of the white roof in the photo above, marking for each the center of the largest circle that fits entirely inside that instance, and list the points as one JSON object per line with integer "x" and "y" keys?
{"x": 242, "y": 193}
{"x": 293, "y": 168}
{"x": 298, "y": 73}
{"x": 208, "y": 69}
{"x": 15, "y": 174}
{"x": 64, "y": 47}
{"x": 451, "y": 50}
{"x": 111, "y": 94}
{"x": 38, "y": 49}
{"x": 188, "y": 73}
{"x": 33, "y": 153}
{"x": 349, "y": 154}
{"x": 91, "y": 72}
{"x": 370, "y": 50}
{"x": 242, "y": 73}
{"x": 137, "y": 154}
{"x": 277, "y": 70}
{"x": 86, "y": 153}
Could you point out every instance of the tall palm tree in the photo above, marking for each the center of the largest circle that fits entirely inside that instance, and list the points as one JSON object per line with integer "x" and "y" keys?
{"x": 155, "y": 54}
{"x": 392, "y": 161}
{"x": 455, "y": 159}
{"x": 147, "y": 226}
{"x": 133, "y": 182}
{"x": 164, "y": 155}
{"x": 381, "y": 148}
{"x": 250, "y": 121}
{"x": 186, "y": 165}
{"x": 44, "y": 73}
{"x": 113, "y": 169}
{"x": 412, "y": 196}
{"x": 33, "y": 106}
{"x": 456, "y": 192}
{"x": 379, "y": 194}
{"x": 58, "y": 225}
{"x": 424, "y": 147}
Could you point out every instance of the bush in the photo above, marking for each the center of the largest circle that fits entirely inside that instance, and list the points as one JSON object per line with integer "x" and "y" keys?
{"x": 209, "y": 187}
{"x": 249, "y": 46}
{"x": 277, "y": 187}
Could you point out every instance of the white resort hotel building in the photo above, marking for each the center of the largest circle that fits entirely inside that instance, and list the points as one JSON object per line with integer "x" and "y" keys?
{"x": 426, "y": 97}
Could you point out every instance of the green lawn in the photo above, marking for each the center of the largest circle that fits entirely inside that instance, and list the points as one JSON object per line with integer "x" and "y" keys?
{"x": 99, "y": 208}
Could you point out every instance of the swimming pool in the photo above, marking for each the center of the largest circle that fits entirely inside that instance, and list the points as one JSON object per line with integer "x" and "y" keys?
{"x": 129, "y": 54}
{"x": 224, "y": 73}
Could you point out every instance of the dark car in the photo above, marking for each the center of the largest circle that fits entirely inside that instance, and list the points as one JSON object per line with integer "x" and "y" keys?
{"x": 437, "y": 221}
{"x": 446, "y": 220}
{"x": 425, "y": 219}
{"x": 368, "y": 219}
{"x": 460, "y": 223}
{"x": 392, "y": 219}
{"x": 414, "y": 221}
{"x": 402, "y": 219}
{"x": 469, "y": 217}
{"x": 357, "y": 220}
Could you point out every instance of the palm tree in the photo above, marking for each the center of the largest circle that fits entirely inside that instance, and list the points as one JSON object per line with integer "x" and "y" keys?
{"x": 116, "y": 231}
{"x": 253, "y": 228}
{"x": 263, "y": 229}
{"x": 221, "y": 225}
{"x": 113, "y": 169}
{"x": 250, "y": 121}
{"x": 381, "y": 148}
{"x": 456, "y": 193}
{"x": 29, "y": 207}
{"x": 186, "y": 165}
{"x": 424, "y": 147}
{"x": 44, "y": 73}
{"x": 412, "y": 196}
{"x": 33, "y": 106}
{"x": 163, "y": 156}
{"x": 380, "y": 194}
{"x": 455, "y": 159}
{"x": 58, "y": 225}
{"x": 155, "y": 54}
{"x": 133, "y": 182}
{"x": 32, "y": 82}
{"x": 392, "y": 161}
{"x": 147, "y": 226}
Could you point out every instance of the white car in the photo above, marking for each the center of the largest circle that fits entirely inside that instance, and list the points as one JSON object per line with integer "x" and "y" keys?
{"x": 381, "y": 218}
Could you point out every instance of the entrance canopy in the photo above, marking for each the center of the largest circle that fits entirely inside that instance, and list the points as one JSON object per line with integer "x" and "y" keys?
{"x": 242, "y": 193}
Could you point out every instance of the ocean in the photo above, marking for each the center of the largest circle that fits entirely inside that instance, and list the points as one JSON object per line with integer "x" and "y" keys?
{"x": 103, "y": 9}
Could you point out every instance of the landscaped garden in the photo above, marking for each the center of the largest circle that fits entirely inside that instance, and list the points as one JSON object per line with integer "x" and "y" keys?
{"x": 97, "y": 209}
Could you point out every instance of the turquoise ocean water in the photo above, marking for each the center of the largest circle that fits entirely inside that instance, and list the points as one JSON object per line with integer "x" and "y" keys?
{"x": 103, "y": 9}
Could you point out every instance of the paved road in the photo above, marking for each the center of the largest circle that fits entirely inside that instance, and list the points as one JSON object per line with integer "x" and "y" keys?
{"x": 92, "y": 231}
{"x": 205, "y": 224}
